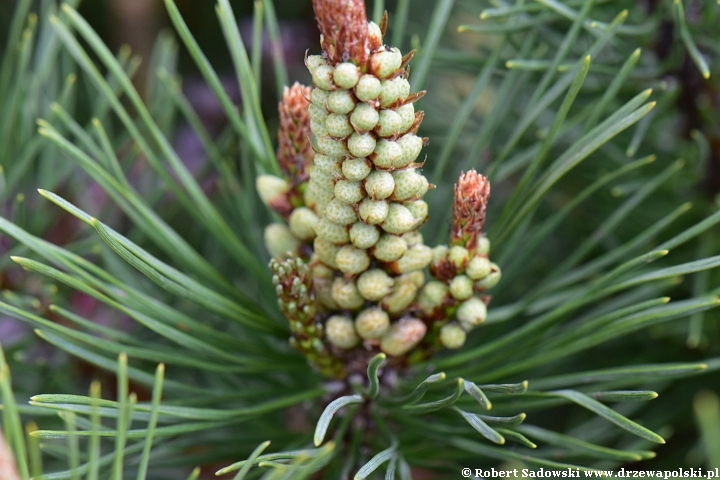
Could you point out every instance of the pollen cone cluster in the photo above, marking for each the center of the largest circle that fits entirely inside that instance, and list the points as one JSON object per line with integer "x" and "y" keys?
{"x": 354, "y": 214}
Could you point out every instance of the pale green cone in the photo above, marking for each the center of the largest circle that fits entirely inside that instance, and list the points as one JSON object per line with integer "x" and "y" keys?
{"x": 346, "y": 75}
{"x": 379, "y": 185}
{"x": 373, "y": 212}
{"x": 340, "y": 213}
{"x": 478, "y": 268}
{"x": 356, "y": 169}
{"x": 340, "y": 332}
{"x": 402, "y": 296}
{"x": 280, "y": 241}
{"x": 415, "y": 258}
{"x": 402, "y": 336}
{"x": 490, "y": 280}
{"x": 461, "y": 287}
{"x": 349, "y": 192}
{"x": 364, "y": 236}
{"x": 452, "y": 336}
{"x": 399, "y": 220}
{"x": 326, "y": 251}
{"x": 459, "y": 257}
{"x": 332, "y": 232}
{"x": 352, "y": 260}
{"x": 389, "y": 248}
{"x": 471, "y": 312}
{"x": 372, "y": 323}
{"x": 346, "y": 295}
{"x": 302, "y": 223}
{"x": 269, "y": 187}
{"x": 374, "y": 284}
{"x": 432, "y": 296}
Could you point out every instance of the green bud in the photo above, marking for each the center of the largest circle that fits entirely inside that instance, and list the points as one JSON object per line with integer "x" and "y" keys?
{"x": 415, "y": 258}
{"x": 413, "y": 237}
{"x": 340, "y": 331}
{"x": 323, "y": 293}
{"x": 419, "y": 210}
{"x": 379, "y": 185}
{"x": 408, "y": 184}
{"x": 402, "y": 296}
{"x": 399, "y": 219}
{"x": 349, "y": 192}
{"x": 491, "y": 280}
{"x": 346, "y": 75}
{"x": 368, "y": 88}
{"x": 393, "y": 91}
{"x": 387, "y": 154}
{"x": 338, "y": 125}
{"x": 318, "y": 128}
{"x": 364, "y": 117}
{"x": 312, "y": 62}
{"x": 374, "y": 35}
{"x": 361, "y": 145}
{"x": 340, "y": 213}
{"x": 332, "y": 232}
{"x": 320, "y": 193}
{"x": 346, "y": 295}
{"x": 478, "y": 268}
{"x": 372, "y": 323}
{"x": 471, "y": 312}
{"x": 411, "y": 146}
{"x": 389, "y": 248}
{"x": 458, "y": 256}
{"x": 322, "y": 77}
{"x": 352, "y": 260}
{"x": 407, "y": 116}
{"x": 325, "y": 251}
{"x": 373, "y": 211}
{"x": 279, "y": 240}
{"x": 483, "y": 247}
{"x": 452, "y": 336}
{"x": 417, "y": 277}
{"x": 269, "y": 187}
{"x": 323, "y": 178}
{"x": 329, "y": 165}
{"x": 385, "y": 63}
{"x": 374, "y": 284}
{"x": 356, "y": 169}
{"x": 319, "y": 97}
{"x": 364, "y": 236}
{"x": 461, "y": 287}
{"x": 317, "y": 113}
{"x": 389, "y": 123}
{"x": 331, "y": 147}
{"x": 341, "y": 101}
{"x": 322, "y": 271}
{"x": 322, "y": 276}
{"x": 309, "y": 198}
{"x": 302, "y": 221}
{"x": 432, "y": 296}
{"x": 402, "y": 336}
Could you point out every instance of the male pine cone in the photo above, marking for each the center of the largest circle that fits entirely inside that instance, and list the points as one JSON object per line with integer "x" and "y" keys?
{"x": 359, "y": 203}
{"x": 365, "y": 185}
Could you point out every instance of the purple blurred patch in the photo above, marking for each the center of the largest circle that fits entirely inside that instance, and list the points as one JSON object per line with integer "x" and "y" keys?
{"x": 11, "y": 331}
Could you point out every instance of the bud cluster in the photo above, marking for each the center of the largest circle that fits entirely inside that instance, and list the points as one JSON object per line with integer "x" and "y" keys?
{"x": 297, "y": 302}
{"x": 366, "y": 189}
{"x": 463, "y": 270}
{"x": 360, "y": 209}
